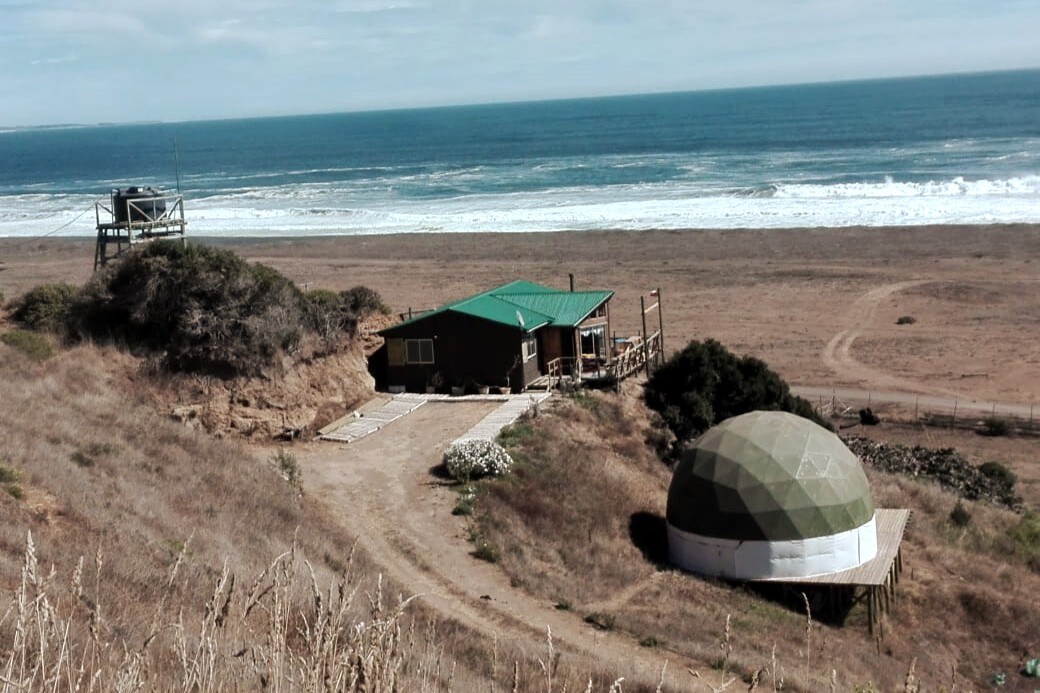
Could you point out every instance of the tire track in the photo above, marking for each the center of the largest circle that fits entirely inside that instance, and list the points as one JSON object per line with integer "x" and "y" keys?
{"x": 837, "y": 354}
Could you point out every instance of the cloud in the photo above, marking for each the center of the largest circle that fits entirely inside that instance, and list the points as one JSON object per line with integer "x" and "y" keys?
{"x": 374, "y": 6}
{"x": 305, "y": 55}
{"x": 56, "y": 60}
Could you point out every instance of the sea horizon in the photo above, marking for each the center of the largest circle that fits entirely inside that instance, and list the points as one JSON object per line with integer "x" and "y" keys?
{"x": 510, "y": 102}
{"x": 902, "y": 151}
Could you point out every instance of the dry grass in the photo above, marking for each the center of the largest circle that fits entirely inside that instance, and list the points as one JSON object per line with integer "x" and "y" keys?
{"x": 246, "y": 636}
{"x": 564, "y": 523}
{"x": 150, "y": 561}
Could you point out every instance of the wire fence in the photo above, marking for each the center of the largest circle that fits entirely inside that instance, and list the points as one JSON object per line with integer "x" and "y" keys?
{"x": 989, "y": 418}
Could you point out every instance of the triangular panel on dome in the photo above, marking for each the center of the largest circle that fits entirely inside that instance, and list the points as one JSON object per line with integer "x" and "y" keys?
{"x": 770, "y": 477}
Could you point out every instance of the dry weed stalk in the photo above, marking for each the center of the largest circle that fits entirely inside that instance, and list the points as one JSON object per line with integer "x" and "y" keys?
{"x": 726, "y": 646}
{"x": 808, "y": 639}
{"x": 267, "y": 637}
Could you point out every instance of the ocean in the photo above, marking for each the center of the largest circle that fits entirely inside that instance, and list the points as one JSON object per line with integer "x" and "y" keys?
{"x": 962, "y": 149}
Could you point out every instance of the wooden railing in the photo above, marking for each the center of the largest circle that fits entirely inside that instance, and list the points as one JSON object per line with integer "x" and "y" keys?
{"x": 624, "y": 364}
{"x": 635, "y": 357}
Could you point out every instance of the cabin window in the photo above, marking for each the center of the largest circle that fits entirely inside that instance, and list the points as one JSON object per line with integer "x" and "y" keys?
{"x": 418, "y": 350}
{"x": 594, "y": 342}
{"x": 529, "y": 346}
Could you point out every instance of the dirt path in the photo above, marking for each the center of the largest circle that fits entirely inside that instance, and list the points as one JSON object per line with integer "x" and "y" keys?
{"x": 926, "y": 402}
{"x": 837, "y": 354}
{"x": 382, "y": 488}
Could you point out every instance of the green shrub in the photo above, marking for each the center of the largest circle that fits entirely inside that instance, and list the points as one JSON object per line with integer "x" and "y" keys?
{"x": 995, "y": 426}
{"x": 8, "y": 475}
{"x": 15, "y": 491}
{"x": 999, "y": 473}
{"x": 326, "y": 313}
{"x": 362, "y": 300}
{"x": 467, "y": 498}
{"x": 33, "y": 344}
{"x": 600, "y": 621}
{"x": 705, "y": 383}
{"x": 487, "y": 552}
{"x": 205, "y": 309}
{"x": 906, "y": 320}
{"x": 289, "y": 468}
{"x": 515, "y": 434}
{"x": 960, "y": 516}
{"x": 649, "y": 641}
{"x": 1025, "y": 539}
{"x": 46, "y": 307}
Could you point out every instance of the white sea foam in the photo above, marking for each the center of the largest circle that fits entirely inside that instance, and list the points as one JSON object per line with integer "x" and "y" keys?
{"x": 372, "y": 207}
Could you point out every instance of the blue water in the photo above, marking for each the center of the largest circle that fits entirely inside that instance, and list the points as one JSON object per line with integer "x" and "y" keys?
{"x": 953, "y": 149}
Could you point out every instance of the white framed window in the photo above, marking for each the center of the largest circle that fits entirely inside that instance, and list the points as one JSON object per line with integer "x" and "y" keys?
{"x": 418, "y": 350}
{"x": 529, "y": 346}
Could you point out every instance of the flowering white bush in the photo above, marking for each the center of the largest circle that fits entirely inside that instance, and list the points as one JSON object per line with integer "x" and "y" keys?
{"x": 472, "y": 459}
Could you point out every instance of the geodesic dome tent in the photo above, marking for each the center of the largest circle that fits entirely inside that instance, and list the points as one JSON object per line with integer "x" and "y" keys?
{"x": 770, "y": 495}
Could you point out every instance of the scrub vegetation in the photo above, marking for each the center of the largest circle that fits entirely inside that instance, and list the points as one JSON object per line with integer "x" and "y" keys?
{"x": 198, "y": 310}
{"x": 705, "y": 383}
{"x": 580, "y": 521}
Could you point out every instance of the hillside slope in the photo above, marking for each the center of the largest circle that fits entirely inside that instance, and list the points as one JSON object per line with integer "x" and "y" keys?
{"x": 580, "y": 521}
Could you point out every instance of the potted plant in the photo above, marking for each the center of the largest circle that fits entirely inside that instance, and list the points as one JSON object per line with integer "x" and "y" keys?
{"x": 507, "y": 388}
{"x": 435, "y": 383}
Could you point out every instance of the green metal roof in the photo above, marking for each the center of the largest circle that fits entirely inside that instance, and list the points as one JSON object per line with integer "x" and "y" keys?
{"x": 533, "y": 305}
{"x": 768, "y": 476}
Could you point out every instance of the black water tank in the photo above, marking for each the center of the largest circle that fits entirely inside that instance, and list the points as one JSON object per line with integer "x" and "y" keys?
{"x": 145, "y": 207}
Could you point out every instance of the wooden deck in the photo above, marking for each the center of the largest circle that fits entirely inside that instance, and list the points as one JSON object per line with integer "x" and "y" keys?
{"x": 491, "y": 425}
{"x": 875, "y": 572}
{"x": 876, "y": 579}
{"x": 363, "y": 424}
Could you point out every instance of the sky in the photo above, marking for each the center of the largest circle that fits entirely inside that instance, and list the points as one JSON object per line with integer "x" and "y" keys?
{"x": 89, "y": 61}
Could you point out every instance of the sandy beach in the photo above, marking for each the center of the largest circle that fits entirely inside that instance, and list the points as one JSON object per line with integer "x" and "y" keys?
{"x": 820, "y": 306}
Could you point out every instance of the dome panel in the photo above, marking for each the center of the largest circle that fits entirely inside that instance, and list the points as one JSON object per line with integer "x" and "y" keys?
{"x": 771, "y": 476}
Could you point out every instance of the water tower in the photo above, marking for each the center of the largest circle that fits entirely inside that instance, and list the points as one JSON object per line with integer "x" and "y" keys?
{"x": 136, "y": 215}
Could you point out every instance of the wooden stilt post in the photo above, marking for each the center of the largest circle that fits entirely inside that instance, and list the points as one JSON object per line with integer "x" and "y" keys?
{"x": 646, "y": 341}
{"x": 870, "y": 609}
{"x": 660, "y": 329}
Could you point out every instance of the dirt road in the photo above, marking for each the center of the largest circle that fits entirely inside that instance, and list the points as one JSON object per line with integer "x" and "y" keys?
{"x": 383, "y": 488}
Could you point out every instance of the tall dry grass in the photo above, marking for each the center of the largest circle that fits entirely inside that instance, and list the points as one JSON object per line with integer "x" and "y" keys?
{"x": 247, "y": 636}
{"x": 150, "y": 561}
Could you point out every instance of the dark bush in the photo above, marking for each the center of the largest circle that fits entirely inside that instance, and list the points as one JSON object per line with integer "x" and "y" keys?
{"x": 362, "y": 300}
{"x": 867, "y": 417}
{"x": 906, "y": 320}
{"x": 206, "y": 310}
{"x": 995, "y": 426}
{"x": 960, "y": 516}
{"x": 999, "y": 473}
{"x": 46, "y": 308}
{"x": 705, "y": 383}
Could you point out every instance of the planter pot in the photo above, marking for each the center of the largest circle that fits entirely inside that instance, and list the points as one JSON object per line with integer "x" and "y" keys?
{"x": 458, "y": 391}
{"x": 505, "y": 390}
{"x": 430, "y": 389}
{"x": 483, "y": 390}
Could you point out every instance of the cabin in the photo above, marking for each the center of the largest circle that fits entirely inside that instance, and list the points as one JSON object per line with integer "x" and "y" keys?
{"x": 513, "y": 336}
